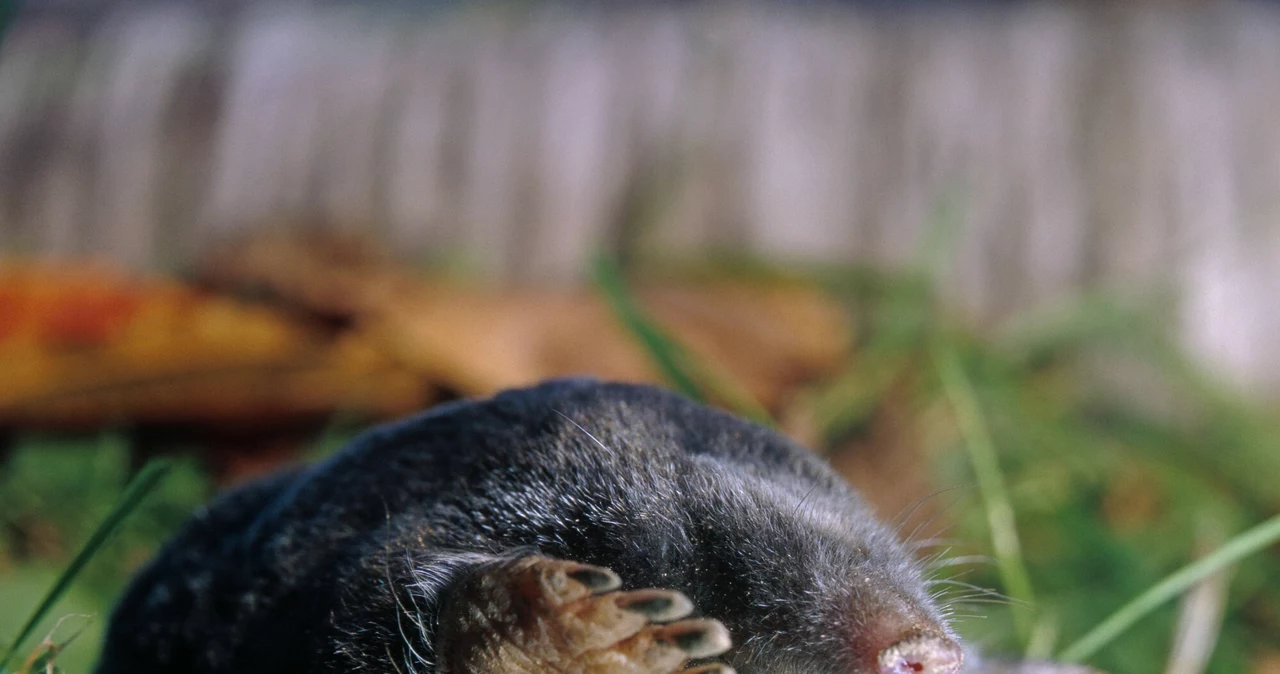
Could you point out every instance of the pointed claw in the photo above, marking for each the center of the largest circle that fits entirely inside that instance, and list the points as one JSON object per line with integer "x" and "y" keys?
{"x": 697, "y": 638}
{"x": 656, "y": 605}
{"x": 714, "y": 668}
{"x": 597, "y": 579}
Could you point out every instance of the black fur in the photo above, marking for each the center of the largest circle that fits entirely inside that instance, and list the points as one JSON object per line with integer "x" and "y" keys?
{"x": 341, "y": 567}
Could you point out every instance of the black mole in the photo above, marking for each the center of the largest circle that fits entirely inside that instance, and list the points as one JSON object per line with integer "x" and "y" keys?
{"x": 517, "y": 535}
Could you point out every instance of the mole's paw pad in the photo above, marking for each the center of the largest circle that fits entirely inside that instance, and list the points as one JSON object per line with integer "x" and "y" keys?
{"x": 546, "y": 616}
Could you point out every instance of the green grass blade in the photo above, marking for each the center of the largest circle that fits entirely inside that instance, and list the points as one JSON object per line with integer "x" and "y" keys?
{"x": 1243, "y": 545}
{"x": 142, "y": 484}
{"x": 677, "y": 365}
{"x": 986, "y": 467}
{"x": 664, "y": 351}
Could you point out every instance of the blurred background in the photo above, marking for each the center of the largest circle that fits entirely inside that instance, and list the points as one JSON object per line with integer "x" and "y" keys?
{"x": 232, "y": 234}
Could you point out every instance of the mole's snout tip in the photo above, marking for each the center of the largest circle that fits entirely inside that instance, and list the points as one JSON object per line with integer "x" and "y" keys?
{"x": 922, "y": 655}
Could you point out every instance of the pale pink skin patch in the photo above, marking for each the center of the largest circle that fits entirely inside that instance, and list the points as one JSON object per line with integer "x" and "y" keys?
{"x": 922, "y": 655}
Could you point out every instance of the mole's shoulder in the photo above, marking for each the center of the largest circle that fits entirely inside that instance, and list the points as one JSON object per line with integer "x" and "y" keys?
{"x": 631, "y": 417}
{"x": 548, "y": 406}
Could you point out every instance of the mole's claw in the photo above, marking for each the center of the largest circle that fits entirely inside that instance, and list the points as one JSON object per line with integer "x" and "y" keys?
{"x": 562, "y": 617}
{"x": 597, "y": 579}
{"x": 713, "y": 668}
{"x": 697, "y": 638}
{"x": 656, "y": 605}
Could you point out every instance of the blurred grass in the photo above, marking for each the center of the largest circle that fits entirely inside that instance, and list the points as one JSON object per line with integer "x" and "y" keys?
{"x": 991, "y": 482}
{"x": 1114, "y": 445}
{"x": 1111, "y": 444}
{"x": 692, "y": 377}
{"x": 1233, "y": 551}
{"x": 138, "y": 488}
{"x": 1106, "y": 482}
{"x": 54, "y": 493}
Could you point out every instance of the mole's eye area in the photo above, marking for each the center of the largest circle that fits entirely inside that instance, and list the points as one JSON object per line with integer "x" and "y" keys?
{"x": 921, "y": 655}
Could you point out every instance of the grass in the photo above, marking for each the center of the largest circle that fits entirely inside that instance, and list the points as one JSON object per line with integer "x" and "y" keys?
{"x": 991, "y": 482}
{"x": 139, "y": 487}
{"x": 1088, "y": 492}
{"x": 1106, "y": 484}
{"x": 70, "y": 502}
{"x": 1248, "y": 543}
{"x": 686, "y": 374}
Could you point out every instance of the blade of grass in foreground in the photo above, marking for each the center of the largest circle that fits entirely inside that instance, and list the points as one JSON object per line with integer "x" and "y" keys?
{"x": 995, "y": 495}
{"x": 142, "y": 484}
{"x": 1243, "y": 545}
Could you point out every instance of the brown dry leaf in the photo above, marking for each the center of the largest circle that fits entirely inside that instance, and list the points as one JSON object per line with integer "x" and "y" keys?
{"x": 1133, "y": 500}
{"x": 84, "y": 345}
{"x": 1269, "y": 663}
{"x": 83, "y": 304}
{"x": 889, "y": 467}
{"x": 767, "y": 339}
{"x": 770, "y": 339}
{"x": 326, "y": 272}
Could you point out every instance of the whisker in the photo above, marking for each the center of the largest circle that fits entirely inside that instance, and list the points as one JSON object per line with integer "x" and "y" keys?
{"x": 992, "y": 601}
{"x": 986, "y": 598}
{"x": 901, "y": 518}
{"x": 392, "y": 660}
{"x": 923, "y": 526}
{"x": 961, "y": 560}
{"x": 806, "y": 496}
{"x": 930, "y": 561}
{"x": 579, "y": 426}
{"x": 416, "y": 618}
{"x": 400, "y": 609}
{"x": 930, "y": 542}
{"x": 960, "y": 583}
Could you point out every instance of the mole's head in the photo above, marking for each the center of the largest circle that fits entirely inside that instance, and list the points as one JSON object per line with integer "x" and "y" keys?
{"x": 808, "y": 581}
{"x": 759, "y": 532}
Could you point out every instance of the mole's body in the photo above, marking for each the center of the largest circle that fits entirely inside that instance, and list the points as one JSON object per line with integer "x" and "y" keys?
{"x": 470, "y": 539}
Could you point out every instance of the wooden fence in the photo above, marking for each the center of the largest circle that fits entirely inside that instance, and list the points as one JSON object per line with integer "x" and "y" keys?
{"x": 1088, "y": 146}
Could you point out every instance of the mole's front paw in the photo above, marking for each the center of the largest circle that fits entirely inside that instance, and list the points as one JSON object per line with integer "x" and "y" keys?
{"x": 546, "y": 616}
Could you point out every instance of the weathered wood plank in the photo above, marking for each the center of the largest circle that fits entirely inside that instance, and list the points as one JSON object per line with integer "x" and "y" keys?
{"x": 1133, "y": 148}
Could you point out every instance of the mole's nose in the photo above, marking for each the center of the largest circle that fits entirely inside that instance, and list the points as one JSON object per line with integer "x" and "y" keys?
{"x": 922, "y": 655}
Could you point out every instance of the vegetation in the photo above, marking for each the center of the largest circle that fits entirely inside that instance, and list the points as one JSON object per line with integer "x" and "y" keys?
{"x": 1125, "y": 489}
{"x": 1098, "y": 498}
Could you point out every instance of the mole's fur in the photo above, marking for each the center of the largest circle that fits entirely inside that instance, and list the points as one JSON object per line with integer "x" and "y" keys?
{"x": 345, "y": 566}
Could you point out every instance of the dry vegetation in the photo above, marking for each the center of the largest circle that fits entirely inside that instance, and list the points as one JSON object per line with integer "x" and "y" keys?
{"x": 1113, "y": 480}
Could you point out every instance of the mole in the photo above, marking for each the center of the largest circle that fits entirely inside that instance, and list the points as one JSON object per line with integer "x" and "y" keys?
{"x": 573, "y": 527}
